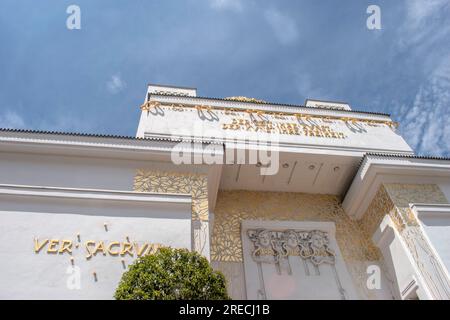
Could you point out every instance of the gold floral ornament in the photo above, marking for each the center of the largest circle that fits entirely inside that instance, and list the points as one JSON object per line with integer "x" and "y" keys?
{"x": 244, "y": 99}
{"x": 234, "y": 206}
{"x": 149, "y": 104}
{"x": 199, "y": 107}
{"x": 392, "y": 124}
{"x": 175, "y": 182}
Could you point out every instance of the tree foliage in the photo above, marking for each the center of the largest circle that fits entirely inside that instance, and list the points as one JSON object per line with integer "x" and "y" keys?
{"x": 171, "y": 274}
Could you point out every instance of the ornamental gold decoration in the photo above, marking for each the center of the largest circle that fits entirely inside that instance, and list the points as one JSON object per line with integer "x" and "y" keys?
{"x": 321, "y": 131}
{"x": 149, "y": 104}
{"x": 276, "y": 114}
{"x": 234, "y": 206}
{"x": 380, "y": 206}
{"x": 394, "y": 200}
{"x": 174, "y": 182}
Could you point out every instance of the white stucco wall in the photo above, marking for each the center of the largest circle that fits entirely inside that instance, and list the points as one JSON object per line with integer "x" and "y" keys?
{"x": 435, "y": 222}
{"x": 445, "y": 188}
{"x": 358, "y": 135}
{"x": 76, "y": 172}
{"x": 31, "y": 214}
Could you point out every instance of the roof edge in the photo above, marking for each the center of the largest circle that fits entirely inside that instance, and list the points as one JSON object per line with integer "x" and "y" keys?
{"x": 273, "y": 104}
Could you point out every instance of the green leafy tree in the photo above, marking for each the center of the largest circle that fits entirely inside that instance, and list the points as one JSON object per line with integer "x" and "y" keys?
{"x": 172, "y": 274}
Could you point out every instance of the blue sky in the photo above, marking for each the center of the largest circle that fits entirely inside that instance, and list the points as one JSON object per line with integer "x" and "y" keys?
{"x": 94, "y": 79}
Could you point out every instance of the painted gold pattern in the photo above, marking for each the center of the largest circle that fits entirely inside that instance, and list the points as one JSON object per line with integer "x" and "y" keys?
{"x": 404, "y": 194}
{"x": 234, "y": 206}
{"x": 174, "y": 182}
{"x": 395, "y": 200}
{"x": 276, "y": 114}
{"x": 380, "y": 206}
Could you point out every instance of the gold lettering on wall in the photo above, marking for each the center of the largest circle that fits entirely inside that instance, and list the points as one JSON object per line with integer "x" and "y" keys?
{"x": 100, "y": 247}
{"x": 38, "y": 246}
{"x": 52, "y": 246}
{"x": 289, "y": 128}
{"x": 89, "y": 252}
{"x": 66, "y": 246}
{"x": 92, "y": 247}
{"x": 111, "y": 244}
{"x": 127, "y": 247}
{"x": 140, "y": 249}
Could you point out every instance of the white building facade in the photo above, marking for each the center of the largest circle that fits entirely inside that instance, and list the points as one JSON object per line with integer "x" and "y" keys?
{"x": 289, "y": 202}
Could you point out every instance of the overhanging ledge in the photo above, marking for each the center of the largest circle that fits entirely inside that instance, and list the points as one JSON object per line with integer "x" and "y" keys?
{"x": 95, "y": 194}
{"x": 377, "y": 169}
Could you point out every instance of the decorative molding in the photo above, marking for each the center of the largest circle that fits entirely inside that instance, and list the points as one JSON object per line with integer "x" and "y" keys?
{"x": 94, "y": 194}
{"x": 179, "y": 106}
{"x": 428, "y": 263}
{"x": 396, "y": 201}
{"x": 156, "y": 148}
{"x": 378, "y": 170}
{"x": 276, "y": 108}
{"x": 244, "y": 99}
{"x": 407, "y": 281}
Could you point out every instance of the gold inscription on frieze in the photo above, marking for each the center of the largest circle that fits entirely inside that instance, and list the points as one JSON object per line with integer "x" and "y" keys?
{"x": 289, "y": 128}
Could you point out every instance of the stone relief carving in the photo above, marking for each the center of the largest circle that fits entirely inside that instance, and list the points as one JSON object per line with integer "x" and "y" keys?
{"x": 431, "y": 269}
{"x": 275, "y": 247}
{"x": 235, "y": 206}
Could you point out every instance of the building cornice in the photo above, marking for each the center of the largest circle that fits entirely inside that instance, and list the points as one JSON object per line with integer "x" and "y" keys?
{"x": 431, "y": 210}
{"x": 96, "y": 135}
{"x": 376, "y": 169}
{"x": 92, "y": 145}
{"x": 286, "y": 109}
{"x": 94, "y": 194}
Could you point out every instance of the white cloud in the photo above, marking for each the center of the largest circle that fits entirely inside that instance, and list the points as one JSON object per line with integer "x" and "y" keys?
{"x": 306, "y": 88}
{"x": 11, "y": 119}
{"x": 236, "y": 5}
{"x": 115, "y": 84}
{"x": 419, "y": 10}
{"x": 426, "y": 126}
{"x": 283, "y": 26}
{"x": 423, "y": 24}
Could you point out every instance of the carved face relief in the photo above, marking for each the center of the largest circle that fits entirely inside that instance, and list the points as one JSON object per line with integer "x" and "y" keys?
{"x": 292, "y": 240}
{"x": 293, "y": 253}
{"x": 317, "y": 241}
{"x": 264, "y": 238}
{"x": 307, "y": 244}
